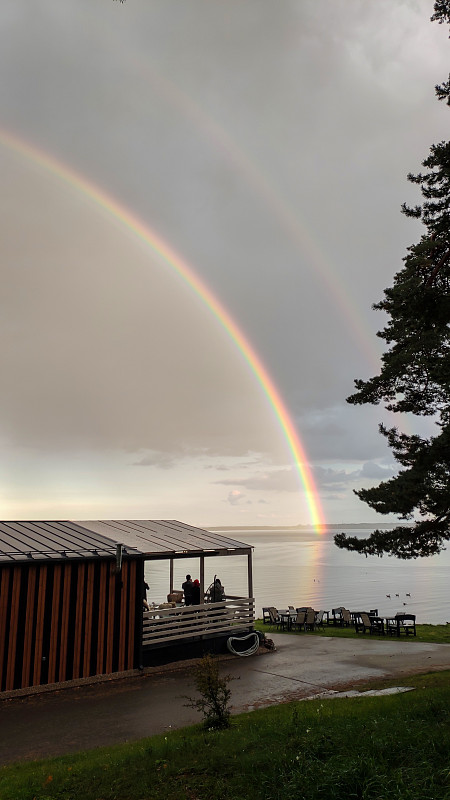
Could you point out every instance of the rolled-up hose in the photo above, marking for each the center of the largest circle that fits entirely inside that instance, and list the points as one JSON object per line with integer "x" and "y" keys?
{"x": 250, "y": 650}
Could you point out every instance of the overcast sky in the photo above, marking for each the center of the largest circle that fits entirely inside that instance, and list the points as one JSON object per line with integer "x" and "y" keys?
{"x": 268, "y": 143}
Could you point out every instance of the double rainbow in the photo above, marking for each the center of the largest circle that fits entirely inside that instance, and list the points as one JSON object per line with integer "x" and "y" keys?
{"x": 187, "y": 274}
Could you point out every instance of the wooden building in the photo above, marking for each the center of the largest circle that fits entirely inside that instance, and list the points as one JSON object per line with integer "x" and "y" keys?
{"x": 71, "y": 598}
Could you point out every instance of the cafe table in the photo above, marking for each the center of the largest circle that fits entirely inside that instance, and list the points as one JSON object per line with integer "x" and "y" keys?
{"x": 286, "y": 616}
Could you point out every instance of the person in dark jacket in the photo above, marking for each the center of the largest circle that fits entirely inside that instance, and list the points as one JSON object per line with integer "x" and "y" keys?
{"x": 187, "y": 587}
{"x": 217, "y": 591}
{"x": 146, "y": 587}
{"x": 196, "y": 593}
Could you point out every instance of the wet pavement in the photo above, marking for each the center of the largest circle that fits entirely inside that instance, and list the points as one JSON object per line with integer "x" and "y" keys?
{"x": 109, "y": 712}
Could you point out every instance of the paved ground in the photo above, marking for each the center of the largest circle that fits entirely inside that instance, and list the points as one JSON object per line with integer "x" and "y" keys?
{"x": 106, "y": 713}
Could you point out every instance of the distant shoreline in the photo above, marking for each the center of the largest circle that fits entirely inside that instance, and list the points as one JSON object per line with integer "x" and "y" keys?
{"x": 293, "y": 528}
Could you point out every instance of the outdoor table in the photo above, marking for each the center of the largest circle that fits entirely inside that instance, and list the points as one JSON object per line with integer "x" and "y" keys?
{"x": 379, "y": 623}
{"x": 393, "y": 625}
{"x": 286, "y": 617}
{"x": 337, "y": 616}
{"x": 356, "y": 619}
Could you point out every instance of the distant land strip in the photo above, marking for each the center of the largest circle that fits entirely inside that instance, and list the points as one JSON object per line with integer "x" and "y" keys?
{"x": 332, "y": 526}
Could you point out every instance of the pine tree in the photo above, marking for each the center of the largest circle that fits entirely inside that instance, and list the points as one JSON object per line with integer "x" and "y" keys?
{"x": 415, "y": 371}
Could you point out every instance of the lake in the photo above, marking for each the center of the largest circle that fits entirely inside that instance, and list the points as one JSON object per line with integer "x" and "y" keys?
{"x": 303, "y": 568}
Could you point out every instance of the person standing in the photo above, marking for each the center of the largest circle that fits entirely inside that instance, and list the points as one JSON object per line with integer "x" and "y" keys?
{"x": 217, "y": 591}
{"x": 196, "y": 593}
{"x": 187, "y": 587}
{"x": 146, "y": 587}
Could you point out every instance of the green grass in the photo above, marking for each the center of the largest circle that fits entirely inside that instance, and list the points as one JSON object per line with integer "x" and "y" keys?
{"x": 382, "y": 748}
{"x": 440, "y": 634}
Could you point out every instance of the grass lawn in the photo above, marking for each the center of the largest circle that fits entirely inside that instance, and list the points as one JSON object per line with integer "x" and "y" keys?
{"x": 440, "y": 634}
{"x": 380, "y": 748}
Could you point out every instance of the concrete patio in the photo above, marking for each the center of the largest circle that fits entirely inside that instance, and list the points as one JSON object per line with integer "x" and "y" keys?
{"x": 107, "y": 712}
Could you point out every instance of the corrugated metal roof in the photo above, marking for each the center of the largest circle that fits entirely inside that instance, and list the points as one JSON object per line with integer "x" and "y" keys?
{"x": 159, "y": 536}
{"x": 52, "y": 541}
{"x": 62, "y": 539}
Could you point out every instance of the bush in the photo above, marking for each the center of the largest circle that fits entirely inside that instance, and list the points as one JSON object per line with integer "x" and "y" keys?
{"x": 215, "y": 695}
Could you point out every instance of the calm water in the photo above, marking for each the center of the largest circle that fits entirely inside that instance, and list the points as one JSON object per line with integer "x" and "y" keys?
{"x": 302, "y": 569}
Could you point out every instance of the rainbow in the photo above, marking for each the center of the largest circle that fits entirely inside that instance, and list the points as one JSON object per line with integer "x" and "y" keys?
{"x": 187, "y": 274}
{"x": 340, "y": 295}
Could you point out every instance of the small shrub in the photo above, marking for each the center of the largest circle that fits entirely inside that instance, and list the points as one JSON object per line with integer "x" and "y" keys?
{"x": 215, "y": 695}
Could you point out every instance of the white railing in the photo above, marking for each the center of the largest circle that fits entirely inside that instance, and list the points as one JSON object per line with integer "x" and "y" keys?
{"x": 167, "y": 625}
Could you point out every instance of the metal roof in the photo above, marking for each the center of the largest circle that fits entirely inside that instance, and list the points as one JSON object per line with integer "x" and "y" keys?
{"x": 159, "y": 537}
{"x": 63, "y": 540}
{"x": 52, "y": 541}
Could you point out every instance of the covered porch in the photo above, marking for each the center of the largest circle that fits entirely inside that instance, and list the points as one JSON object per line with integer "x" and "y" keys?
{"x": 176, "y": 628}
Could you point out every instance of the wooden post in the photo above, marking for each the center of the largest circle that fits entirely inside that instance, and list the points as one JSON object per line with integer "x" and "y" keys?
{"x": 202, "y": 578}
{"x": 250, "y": 574}
{"x": 171, "y": 575}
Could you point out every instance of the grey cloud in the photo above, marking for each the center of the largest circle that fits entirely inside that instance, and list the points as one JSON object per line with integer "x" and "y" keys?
{"x": 286, "y": 480}
{"x": 155, "y": 459}
{"x": 277, "y": 173}
{"x": 326, "y": 477}
{"x": 235, "y": 497}
{"x": 372, "y": 470}
{"x": 283, "y": 480}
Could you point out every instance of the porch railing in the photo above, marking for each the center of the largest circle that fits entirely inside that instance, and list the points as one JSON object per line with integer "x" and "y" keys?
{"x": 166, "y": 626}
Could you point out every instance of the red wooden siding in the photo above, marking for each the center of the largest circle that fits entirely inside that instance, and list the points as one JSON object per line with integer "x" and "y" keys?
{"x": 4, "y": 586}
{"x": 13, "y": 625}
{"x": 39, "y": 630}
{"x": 29, "y": 628}
{"x": 66, "y": 620}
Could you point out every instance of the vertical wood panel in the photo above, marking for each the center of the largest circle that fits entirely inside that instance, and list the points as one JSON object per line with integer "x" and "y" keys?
{"x": 101, "y": 618}
{"x": 88, "y": 624}
{"x": 131, "y": 614}
{"x": 78, "y": 621}
{"x": 6, "y": 572}
{"x": 110, "y": 619}
{"x": 250, "y": 575}
{"x": 64, "y": 622}
{"x": 52, "y": 655}
{"x": 14, "y": 621}
{"x": 29, "y": 619}
{"x": 123, "y": 616}
{"x": 202, "y": 579}
{"x": 39, "y": 626}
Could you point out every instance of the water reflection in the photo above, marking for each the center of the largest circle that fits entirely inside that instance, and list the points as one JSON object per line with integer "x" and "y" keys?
{"x": 292, "y": 568}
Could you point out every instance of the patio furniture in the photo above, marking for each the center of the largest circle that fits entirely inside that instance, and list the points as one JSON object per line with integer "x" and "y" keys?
{"x": 346, "y": 618}
{"x": 378, "y": 625}
{"x": 175, "y": 597}
{"x": 337, "y": 615}
{"x": 319, "y": 618}
{"x": 286, "y": 616}
{"x": 310, "y": 620}
{"x": 275, "y": 618}
{"x": 298, "y": 622}
{"x": 405, "y": 623}
{"x": 266, "y": 615}
{"x": 362, "y": 622}
{"x": 369, "y": 623}
{"x": 341, "y": 616}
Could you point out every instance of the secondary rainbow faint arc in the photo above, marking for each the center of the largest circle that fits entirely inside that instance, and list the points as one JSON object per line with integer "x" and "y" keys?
{"x": 170, "y": 257}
